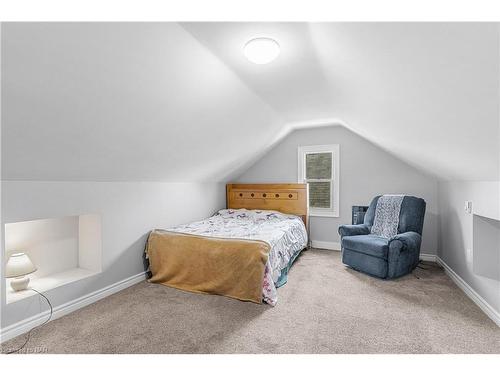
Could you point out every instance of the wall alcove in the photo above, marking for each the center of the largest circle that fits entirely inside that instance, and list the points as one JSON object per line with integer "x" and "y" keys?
{"x": 63, "y": 250}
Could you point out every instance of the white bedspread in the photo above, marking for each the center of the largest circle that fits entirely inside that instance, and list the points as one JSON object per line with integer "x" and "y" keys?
{"x": 286, "y": 234}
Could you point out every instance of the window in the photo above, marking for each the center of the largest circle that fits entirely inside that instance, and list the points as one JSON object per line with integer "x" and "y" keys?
{"x": 319, "y": 167}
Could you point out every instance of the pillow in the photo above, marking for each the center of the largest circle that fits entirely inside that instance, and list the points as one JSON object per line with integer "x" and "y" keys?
{"x": 239, "y": 213}
{"x": 265, "y": 215}
{"x": 255, "y": 215}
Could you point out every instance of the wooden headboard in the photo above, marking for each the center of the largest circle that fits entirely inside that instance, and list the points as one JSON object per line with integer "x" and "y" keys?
{"x": 286, "y": 198}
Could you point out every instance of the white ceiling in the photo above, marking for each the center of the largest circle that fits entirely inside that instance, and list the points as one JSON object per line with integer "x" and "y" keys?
{"x": 181, "y": 103}
{"x": 122, "y": 102}
{"x": 427, "y": 92}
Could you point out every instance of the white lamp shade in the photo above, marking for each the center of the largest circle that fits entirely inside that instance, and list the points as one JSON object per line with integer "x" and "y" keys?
{"x": 19, "y": 264}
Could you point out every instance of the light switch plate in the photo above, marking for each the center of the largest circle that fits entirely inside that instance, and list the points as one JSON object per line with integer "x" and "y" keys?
{"x": 468, "y": 207}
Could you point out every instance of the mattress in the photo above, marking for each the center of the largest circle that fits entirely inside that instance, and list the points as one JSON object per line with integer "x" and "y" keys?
{"x": 285, "y": 234}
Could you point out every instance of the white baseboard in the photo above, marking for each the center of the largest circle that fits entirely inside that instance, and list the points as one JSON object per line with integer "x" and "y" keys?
{"x": 470, "y": 292}
{"x": 25, "y": 325}
{"x": 428, "y": 257}
{"x": 325, "y": 245}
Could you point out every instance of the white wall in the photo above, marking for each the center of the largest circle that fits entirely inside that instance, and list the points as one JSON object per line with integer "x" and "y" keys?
{"x": 90, "y": 242}
{"x": 51, "y": 244}
{"x": 365, "y": 171}
{"x": 129, "y": 210}
{"x": 456, "y": 231}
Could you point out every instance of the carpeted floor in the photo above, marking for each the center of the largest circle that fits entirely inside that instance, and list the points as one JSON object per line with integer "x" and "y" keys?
{"x": 324, "y": 308}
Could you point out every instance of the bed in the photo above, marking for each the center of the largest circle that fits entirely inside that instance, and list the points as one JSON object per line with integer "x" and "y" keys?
{"x": 244, "y": 251}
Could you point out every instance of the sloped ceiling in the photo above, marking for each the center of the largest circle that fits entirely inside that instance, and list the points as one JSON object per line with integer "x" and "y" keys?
{"x": 426, "y": 92}
{"x": 179, "y": 103}
{"x": 134, "y": 101}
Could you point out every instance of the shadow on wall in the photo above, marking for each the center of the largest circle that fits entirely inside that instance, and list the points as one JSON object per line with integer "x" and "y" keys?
{"x": 430, "y": 233}
{"x": 486, "y": 247}
{"x": 132, "y": 254}
{"x": 145, "y": 260}
{"x": 453, "y": 243}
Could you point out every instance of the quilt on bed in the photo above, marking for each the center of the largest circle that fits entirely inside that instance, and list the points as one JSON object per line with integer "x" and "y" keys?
{"x": 285, "y": 234}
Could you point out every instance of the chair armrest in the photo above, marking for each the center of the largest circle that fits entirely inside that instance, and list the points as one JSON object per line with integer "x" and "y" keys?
{"x": 353, "y": 230}
{"x": 405, "y": 241}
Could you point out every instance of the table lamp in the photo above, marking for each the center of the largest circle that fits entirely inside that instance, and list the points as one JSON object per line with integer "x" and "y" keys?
{"x": 18, "y": 266}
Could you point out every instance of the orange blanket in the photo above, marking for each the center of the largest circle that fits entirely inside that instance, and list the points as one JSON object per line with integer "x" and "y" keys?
{"x": 225, "y": 266}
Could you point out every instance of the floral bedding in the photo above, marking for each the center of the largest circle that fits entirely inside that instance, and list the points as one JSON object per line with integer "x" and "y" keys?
{"x": 286, "y": 234}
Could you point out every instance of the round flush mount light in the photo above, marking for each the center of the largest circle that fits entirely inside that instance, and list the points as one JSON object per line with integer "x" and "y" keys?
{"x": 261, "y": 50}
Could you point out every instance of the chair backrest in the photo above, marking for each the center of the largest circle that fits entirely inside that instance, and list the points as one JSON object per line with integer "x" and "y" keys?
{"x": 411, "y": 216}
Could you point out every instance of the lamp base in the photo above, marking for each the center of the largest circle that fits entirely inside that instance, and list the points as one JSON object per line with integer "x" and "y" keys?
{"x": 20, "y": 283}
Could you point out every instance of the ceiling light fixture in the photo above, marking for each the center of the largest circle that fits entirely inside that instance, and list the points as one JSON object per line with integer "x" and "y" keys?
{"x": 261, "y": 50}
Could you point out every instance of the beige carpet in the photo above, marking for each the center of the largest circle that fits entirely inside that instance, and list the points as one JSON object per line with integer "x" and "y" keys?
{"x": 324, "y": 308}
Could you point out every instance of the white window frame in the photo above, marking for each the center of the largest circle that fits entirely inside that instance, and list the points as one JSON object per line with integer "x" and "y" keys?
{"x": 333, "y": 211}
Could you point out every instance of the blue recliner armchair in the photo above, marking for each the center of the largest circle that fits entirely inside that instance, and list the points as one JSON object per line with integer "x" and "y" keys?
{"x": 385, "y": 258}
